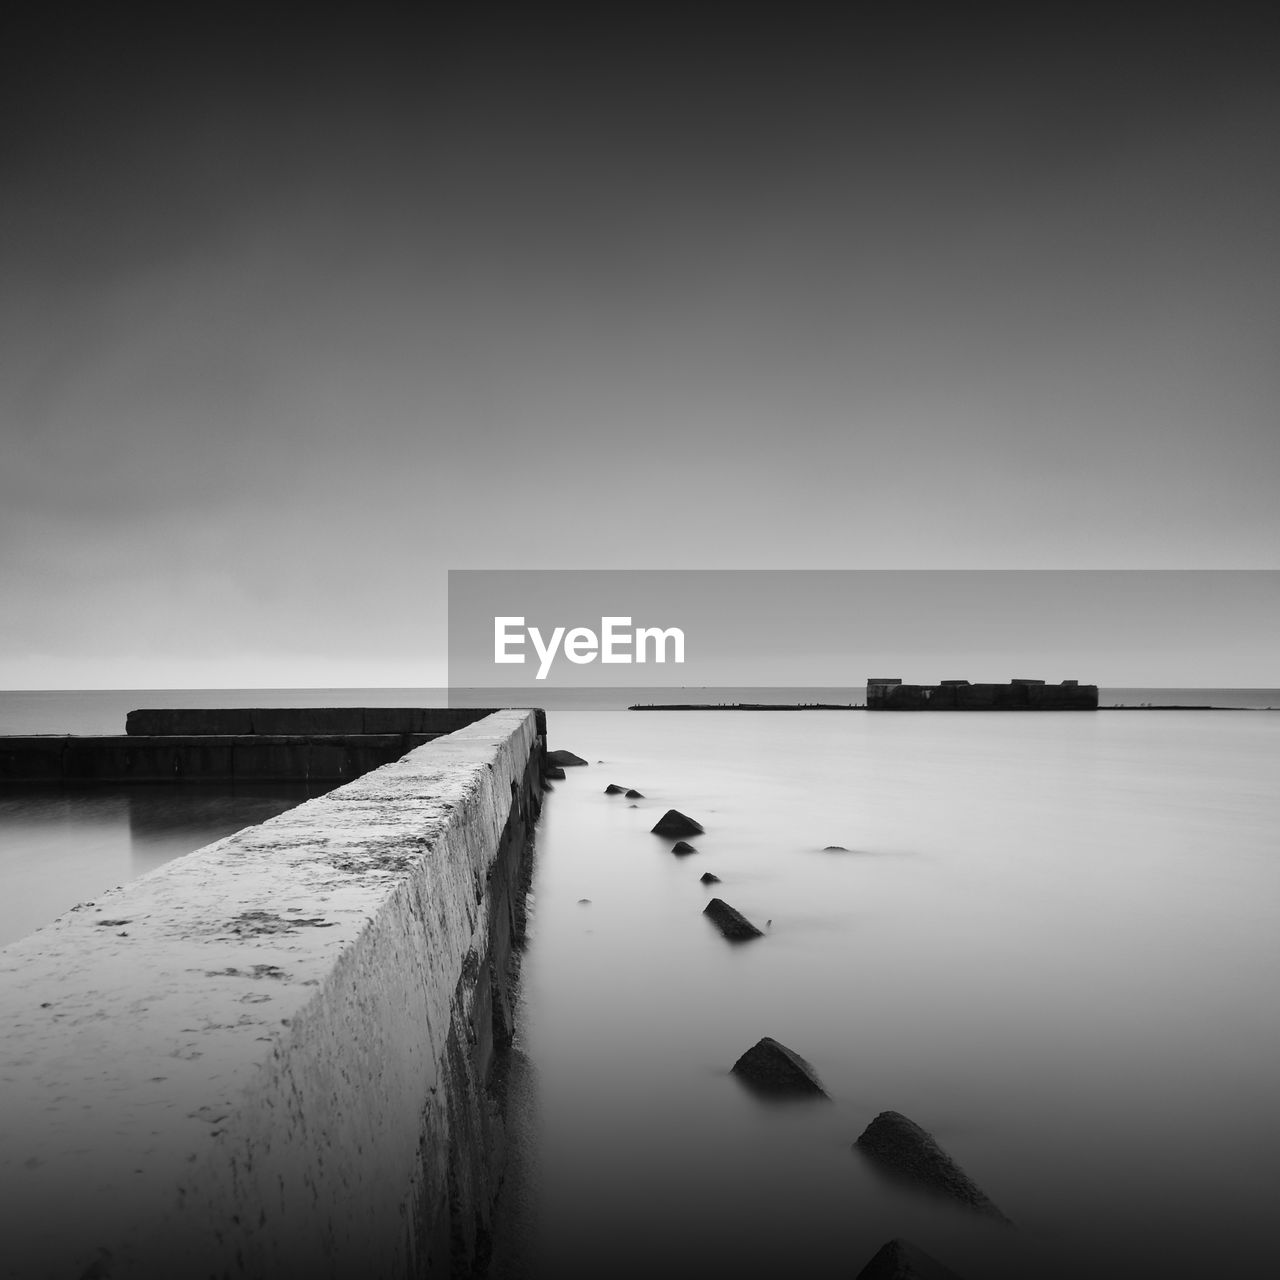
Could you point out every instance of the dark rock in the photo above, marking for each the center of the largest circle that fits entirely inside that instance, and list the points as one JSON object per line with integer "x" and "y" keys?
{"x": 901, "y": 1260}
{"x": 584, "y": 902}
{"x": 675, "y": 823}
{"x": 732, "y": 923}
{"x": 682, "y": 847}
{"x": 613, "y": 789}
{"x": 634, "y": 795}
{"x": 902, "y": 1148}
{"x": 564, "y": 757}
{"x": 552, "y": 771}
{"x": 835, "y": 848}
{"x": 773, "y": 1068}
{"x": 708, "y": 877}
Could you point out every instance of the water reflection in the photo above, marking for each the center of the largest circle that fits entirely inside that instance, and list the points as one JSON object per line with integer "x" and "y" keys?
{"x": 64, "y": 846}
{"x": 166, "y": 822}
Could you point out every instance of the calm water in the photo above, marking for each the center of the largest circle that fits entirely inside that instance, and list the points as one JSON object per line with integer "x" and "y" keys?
{"x": 61, "y": 847}
{"x": 58, "y": 849}
{"x": 1052, "y": 942}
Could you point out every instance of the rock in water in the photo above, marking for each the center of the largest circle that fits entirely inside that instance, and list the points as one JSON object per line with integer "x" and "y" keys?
{"x": 682, "y": 847}
{"x": 553, "y": 771}
{"x": 675, "y": 823}
{"x": 613, "y": 789}
{"x": 900, "y": 1260}
{"x": 708, "y": 877}
{"x": 733, "y": 924}
{"x": 773, "y": 1068}
{"x": 633, "y": 794}
{"x": 564, "y": 757}
{"x": 901, "y": 1147}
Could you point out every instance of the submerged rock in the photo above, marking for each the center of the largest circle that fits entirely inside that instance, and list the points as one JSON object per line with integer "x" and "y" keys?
{"x": 901, "y": 1260}
{"x": 773, "y": 1068}
{"x": 682, "y": 847}
{"x": 708, "y": 877}
{"x": 731, "y": 922}
{"x": 613, "y": 789}
{"x": 553, "y": 771}
{"x": 564, "y": 757}
{"x": 675, "y": 823}
{"x": 901, "y": 1147}
{"x": 834, "y": 848}
{"x": 635, "y": 795}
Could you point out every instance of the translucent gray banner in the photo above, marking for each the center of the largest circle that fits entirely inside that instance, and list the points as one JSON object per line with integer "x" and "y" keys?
{"x": 535, "y": 630}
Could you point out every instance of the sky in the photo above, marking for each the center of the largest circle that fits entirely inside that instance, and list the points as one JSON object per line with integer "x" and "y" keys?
{"x": 297, "y": 315}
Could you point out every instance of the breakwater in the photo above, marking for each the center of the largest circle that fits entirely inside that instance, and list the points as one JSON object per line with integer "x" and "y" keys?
{"x": 962, "y": 695}
{"x": 272, "y": 744}
{"x": 276, "y": 1056}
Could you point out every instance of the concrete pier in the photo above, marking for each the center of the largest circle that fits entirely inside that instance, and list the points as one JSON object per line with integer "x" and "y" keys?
{"x": 49, "y": 759}
{"x": 272, "y": 1057}
{"x": 272, "y": 744}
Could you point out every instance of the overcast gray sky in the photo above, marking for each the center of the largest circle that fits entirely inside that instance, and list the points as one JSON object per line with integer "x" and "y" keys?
{"x": 294, "y": 319}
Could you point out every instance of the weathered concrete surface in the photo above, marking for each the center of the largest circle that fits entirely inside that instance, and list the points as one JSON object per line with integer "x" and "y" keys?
{"x": 770, "y": 1067}
{"x": 196, "y": 758}
{"x": 730, "y": 921}
{"x": 269, "y": 1058}
{"x": 903, "y": 1149}
{"x": 961, "y": 695}
{"x": 331, "y": 744}
{"x": 901, "y": 1260}
{"x": 675, "y": 823}
{"x": 301, "y": 721}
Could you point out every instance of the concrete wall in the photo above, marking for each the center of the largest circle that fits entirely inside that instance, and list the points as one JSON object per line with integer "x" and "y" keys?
{"x": 329, "y": 744}
{"x": 57, "y": 759}
{"x": 153, "y": 722}
{"x": 273, "y": 744}
{"x": 271, "y": 1058}
{"x": 960, "y": 695}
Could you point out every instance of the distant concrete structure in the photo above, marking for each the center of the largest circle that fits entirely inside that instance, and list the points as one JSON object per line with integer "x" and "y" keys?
{"x": 961, "y": 695}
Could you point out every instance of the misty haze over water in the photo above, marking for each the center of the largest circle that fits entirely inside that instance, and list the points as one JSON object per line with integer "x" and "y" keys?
{"x": 1051, "y": 942}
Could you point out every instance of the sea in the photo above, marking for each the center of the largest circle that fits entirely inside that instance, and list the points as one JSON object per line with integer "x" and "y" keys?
{"x": 1048, "y": 938}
